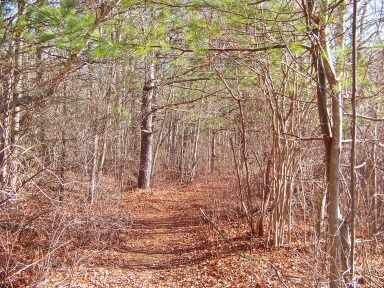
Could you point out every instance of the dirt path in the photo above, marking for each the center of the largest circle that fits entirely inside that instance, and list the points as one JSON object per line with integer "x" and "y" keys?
{"x": 167, "y": 229}
{"x": 170, "y": 245}
{"x": 168, "y": 237}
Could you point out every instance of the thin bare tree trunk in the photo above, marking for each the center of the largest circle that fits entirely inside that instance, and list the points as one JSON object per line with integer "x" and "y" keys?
{"x": 172, "y": 146}
{"x": 15, "y": 135}
{"x": 161, "y": 137}
{"x": 93, "y": 179}
{"x": 195, "y": 150}
{"x": 4, "y": 152}
{"x": 183, "y": 154}
{"x": 374, "y": 191}
{"x": 159, "y": 142}
{"x": 353, "y": 149}
{"x": 238, "y": 176}
{"x": 266, "y": 192}
{"x": 63, "y": 157}
{"x": 213, "y": 149}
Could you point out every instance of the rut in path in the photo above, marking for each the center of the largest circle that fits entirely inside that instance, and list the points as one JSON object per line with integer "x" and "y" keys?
{"x": 168, "y": 229}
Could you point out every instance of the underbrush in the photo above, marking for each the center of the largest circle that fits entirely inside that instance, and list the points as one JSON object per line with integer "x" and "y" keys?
{"x": 307, "y": 253}
{"x": 39, "y": 233}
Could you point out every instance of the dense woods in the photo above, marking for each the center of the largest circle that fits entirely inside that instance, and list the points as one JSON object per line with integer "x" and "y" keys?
{"x": 280, "y": 100}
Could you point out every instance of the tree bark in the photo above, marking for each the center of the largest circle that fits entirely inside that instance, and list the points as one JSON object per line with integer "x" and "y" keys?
{"x": 213, "y": 149}
{"x": 334, "y": 215}
{"x": 353, "y": 190}
{"x": 374, "y": 190}
{"x": 195, "y": 150}
{"x": 15, "y": 134}
{"x": 326, "y": 133}
{"x": 332, "y": 142}
{"x": 63, "y": 157}
{"x": 267, "y": 192}
{"x": 94, "y": 171}
{"x": 4, "y": 151}
{"x": 183, "y": 154}
{"x": 144, "y": 180}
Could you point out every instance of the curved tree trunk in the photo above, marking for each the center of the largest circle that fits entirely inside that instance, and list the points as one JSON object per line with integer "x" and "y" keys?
{"x": 326, "y": 133}
{"x": 328, "y": 83}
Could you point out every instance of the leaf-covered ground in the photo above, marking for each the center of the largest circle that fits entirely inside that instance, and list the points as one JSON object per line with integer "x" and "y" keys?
{"x": 159, "y": 238}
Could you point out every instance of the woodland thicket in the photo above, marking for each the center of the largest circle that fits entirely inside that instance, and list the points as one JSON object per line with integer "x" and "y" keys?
{"x": 285, "y": 97}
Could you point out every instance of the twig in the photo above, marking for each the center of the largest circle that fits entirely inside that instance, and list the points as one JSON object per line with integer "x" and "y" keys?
{"x": 237, "y": 252}
{"x": 39, "y": 260}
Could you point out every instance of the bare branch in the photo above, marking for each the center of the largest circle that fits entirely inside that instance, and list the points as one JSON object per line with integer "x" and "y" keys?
{"x": 240, "y": 254}
{"x": 55, "y": 82}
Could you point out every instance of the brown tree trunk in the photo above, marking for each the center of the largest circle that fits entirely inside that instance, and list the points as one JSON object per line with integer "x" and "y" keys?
{"x": 374, "y": 190}
{"x": 267, "y": 192}
{"x": 195, "y": 150}
{"x": 332, "y": 142}
{"x": 63, "y": 157}
{"x": 93, "y": 178}
{"x": 350, "y": 263}
{"x": 334, "y": 215}
{"x": 213, "y": 149}
{"x": 144, "y": 180}
{"x": 4, "y": 151}
{"x": 326, "y": 133}
{"x": 183, "y": 155}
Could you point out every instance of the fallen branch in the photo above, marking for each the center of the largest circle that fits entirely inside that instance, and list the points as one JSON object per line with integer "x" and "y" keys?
{"x": 237, "y": 252}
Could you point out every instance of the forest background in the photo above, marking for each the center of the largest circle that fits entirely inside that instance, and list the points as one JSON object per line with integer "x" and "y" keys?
{"x": 281, "y": 98}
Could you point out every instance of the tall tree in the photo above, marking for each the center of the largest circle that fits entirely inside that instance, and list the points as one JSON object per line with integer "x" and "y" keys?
{"x": 144, "y": 180}
{"x": 353, "y": 148}
{"x": 329, "y": 84}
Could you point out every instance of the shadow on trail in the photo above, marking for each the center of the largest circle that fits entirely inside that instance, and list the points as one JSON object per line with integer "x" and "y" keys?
{"x": 170, "y": 242}
{"x": 178, "y": 257}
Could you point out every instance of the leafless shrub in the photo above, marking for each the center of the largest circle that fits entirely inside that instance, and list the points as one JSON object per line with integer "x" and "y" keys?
{"x": 38, "y": 232}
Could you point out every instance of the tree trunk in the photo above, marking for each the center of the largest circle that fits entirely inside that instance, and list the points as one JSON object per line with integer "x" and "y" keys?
{"x": 326, "y": 133}
{"x": 144, "y": 180}
{"x": 374, "y": 190}
{"x": 213, "y": 149}
{"x": 350, "y": 263}
{"x": 332, "y": 142}
{"x": 267, "y": 192}
{"x": 183, "y": 154}
{"x": 172, "y": 143}
{"x": 162, "y": 136}
{"x": 94, "y": 172}
{"x": 63, "y": 157}
{"x": 4, "y": 151}
{"x": 334, "y": 214}
{"x": 11, "y": 121}
{"x": 159, "y": 142}
{"x": 15, "y": 135}
{"x": 195, "y": 150}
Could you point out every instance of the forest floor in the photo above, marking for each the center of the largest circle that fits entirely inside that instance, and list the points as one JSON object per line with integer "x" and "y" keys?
{"x": 162, "y": 240}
